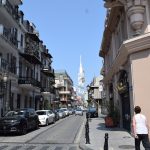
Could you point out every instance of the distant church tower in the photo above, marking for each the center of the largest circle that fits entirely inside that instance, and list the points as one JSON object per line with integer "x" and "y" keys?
{"x": 81, "y": 79}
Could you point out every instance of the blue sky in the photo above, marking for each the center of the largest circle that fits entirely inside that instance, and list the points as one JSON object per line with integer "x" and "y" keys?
{"x": 70, "y": 28}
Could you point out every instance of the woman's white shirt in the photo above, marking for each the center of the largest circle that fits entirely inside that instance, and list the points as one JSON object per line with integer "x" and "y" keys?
{"x": 140, "y": 124}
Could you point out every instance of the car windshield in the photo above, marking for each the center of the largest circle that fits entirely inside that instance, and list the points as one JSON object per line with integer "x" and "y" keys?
{"x": 78, "y": 109}
{"x": 92, "y": 109}
{"x": 61, "y": 110}
{"x": 15, "y": 113}
{"x": 64, "y": 109}
{"x": 41, "y": 112}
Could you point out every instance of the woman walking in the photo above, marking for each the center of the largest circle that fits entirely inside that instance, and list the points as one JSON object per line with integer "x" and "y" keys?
{"x": 140, "y": 129}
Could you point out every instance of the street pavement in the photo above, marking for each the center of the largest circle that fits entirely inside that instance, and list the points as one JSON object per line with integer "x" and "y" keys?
{"x": 118, "y": 139}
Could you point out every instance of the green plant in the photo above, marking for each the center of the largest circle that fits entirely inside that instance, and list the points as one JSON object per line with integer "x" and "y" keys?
{"x": 113, "y": 112}
{"x": 47, "y": 104}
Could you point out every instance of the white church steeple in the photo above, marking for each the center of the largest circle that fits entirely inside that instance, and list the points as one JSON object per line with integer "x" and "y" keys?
{"x": 81, "y": 77}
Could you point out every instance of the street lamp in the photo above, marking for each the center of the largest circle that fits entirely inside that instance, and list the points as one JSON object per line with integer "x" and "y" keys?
{"x": 4, "y": 91}
{"x": 5, "y": 79}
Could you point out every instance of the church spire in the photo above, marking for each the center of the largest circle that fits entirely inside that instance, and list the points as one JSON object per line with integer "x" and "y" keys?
{"x": 81, "y": 67}
{"x": 81, "y": 78}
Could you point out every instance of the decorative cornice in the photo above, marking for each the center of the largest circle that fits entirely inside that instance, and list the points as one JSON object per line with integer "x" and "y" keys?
{"x": 113, "y": 3}
{"x": 136, "y": 17}
{"x": 128, "y": 47}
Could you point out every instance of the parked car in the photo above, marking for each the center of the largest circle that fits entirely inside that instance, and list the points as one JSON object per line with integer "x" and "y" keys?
{"x": 19, "y": 121}
{"x": 92, "y": 112}
{"x": 66, "y": 111}
{"x": 61, "y": 113}
{"x": 46, "y": 117}
{"x": 79, "y": 111}
{"x": 70, "y": 111}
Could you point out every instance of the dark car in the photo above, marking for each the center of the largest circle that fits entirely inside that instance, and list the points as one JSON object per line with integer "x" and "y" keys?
{"x": 92, "y": 112}
{"x": 56, "y": 115}
{"x": 19, "y": 121}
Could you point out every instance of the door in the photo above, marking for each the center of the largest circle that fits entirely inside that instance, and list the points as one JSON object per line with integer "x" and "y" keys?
{"x": 126, "y": 115}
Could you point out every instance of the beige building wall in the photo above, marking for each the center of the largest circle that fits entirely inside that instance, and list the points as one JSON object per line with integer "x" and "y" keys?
{"x": 140, "y": 63}
{"x": 126, "y": 51}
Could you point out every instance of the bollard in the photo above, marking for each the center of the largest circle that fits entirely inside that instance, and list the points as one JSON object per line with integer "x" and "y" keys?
{"x": 106, "y": 142}
{"x": 87, "y": 132}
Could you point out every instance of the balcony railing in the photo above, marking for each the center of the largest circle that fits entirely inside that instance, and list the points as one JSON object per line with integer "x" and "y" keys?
{"x": 48, "y": 70}
{"x": 32, "y": 52}
{"x": 6, "y": 33}
{"x": 64, "y": 92}
{"x": 29, "y": 81}
{"x": 31, "y": 56}
{"x": 13, "y": 11}
{"x": 46, "y": 53}
{"x": 48, "y": 89}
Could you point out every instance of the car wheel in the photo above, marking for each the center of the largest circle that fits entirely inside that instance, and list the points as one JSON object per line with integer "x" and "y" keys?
{"x": 53, "y": 120}
{"x": 47, "y": 123}
{"x": 24, "y": 129}
{"x": 37, "y": 125}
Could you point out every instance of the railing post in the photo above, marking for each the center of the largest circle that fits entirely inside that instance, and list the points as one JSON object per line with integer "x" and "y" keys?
{"x": 106, "y": 142}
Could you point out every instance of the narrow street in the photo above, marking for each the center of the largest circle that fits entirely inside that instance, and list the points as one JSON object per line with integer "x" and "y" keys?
{"x": 63, "y": 135}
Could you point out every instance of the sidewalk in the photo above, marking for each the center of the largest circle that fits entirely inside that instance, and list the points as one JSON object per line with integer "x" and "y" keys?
{"x": 119, "y": 139}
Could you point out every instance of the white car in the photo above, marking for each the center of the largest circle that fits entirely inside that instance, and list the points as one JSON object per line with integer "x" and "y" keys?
{"x": 66, "y": 111}
{"x": 46, "y": 117}
{"x": 79, "y": 111}
{"x": 61, "y": 113}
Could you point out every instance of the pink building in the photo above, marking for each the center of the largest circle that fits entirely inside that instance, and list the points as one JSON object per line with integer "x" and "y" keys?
{"x": 125, "y": 49}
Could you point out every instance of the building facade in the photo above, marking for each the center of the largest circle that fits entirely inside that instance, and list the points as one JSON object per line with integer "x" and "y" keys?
{"x": 64, "y": 84}
{"x": 26, "y": 75}
{"x": 95, "y": 89}
{"x": 125, "y": 49}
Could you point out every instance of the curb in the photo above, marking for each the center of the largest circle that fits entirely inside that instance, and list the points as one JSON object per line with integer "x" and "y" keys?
{"x": 84, "y": 147}
{"x": 79, "y": 135}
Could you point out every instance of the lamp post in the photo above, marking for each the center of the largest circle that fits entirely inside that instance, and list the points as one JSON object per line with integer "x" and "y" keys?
{"x": 5, "y": 98}
{"x": 88, "y": 88}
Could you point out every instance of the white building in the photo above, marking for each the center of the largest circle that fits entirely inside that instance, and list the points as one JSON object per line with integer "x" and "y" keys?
{"x": 26, "y": 74}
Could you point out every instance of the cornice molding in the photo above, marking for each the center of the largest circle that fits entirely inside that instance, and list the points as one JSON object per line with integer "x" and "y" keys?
{"x": 128, "y": 47}
{"x": 113, "y": 3}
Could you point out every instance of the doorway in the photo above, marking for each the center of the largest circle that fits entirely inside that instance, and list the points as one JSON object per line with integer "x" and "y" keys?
{"x": 126, "y": 115}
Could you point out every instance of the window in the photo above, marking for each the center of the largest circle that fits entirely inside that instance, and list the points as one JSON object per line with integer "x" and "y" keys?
{"x": 18, "y": 100}
{"x": 25, "y": 101}
{"x": 21, "y": 41}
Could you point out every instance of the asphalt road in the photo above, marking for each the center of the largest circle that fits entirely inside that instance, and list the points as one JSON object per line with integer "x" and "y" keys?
{"x": 63, "y": 135}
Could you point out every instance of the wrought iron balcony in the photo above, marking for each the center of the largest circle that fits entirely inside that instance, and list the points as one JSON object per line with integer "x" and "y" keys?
{"x": 47, "y": 90}
{"x": 8, "y": 36}
{"x": 29, "y": 82}
{"x": 32, "y": 52}
{"x": 46, "y": 53}
{"x": 47, "y": 70}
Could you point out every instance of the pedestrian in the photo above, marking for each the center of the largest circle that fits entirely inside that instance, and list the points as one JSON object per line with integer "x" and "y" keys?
{"x": 140, "y": 129}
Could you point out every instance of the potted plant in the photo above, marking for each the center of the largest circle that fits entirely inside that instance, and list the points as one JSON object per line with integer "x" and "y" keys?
{"x": 113, "y": 116}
